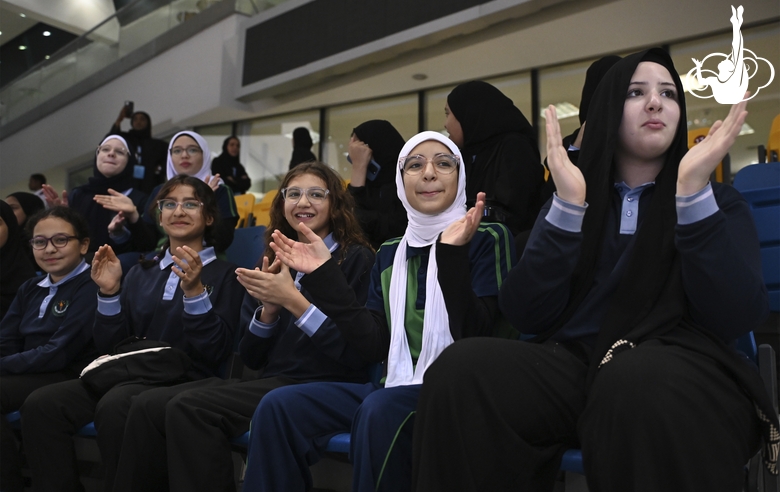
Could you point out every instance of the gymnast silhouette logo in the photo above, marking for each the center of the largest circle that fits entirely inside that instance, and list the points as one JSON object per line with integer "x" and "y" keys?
{"x": 734, "y": 70}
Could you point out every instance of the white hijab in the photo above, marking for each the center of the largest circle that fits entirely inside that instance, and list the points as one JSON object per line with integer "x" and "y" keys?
{"x": 115, "y": 137}
{"x": 423, "y": 230}
{"x": 205, "y": 171}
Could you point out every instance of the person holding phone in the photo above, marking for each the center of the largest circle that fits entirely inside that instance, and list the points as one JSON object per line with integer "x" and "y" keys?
{"x": 373, "y": 150}
{"x": 150, "y": 153}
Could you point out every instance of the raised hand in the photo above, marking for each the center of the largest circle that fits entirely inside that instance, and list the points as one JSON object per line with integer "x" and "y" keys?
{"x": 117, "y": 223}
{"x": 461, "y": 231}
{"x": 360, "y": 155}
{"x": 300, "y": 256}
{"x": 188, "y": 271}
{"x": 697, "y": 165}
{"x": 106, "y": 270}
{"x": 118, "y": 202}
{"x": 568, "y": 179}
{"x": 52, "y": 198}
{"x": 213, "y": 182}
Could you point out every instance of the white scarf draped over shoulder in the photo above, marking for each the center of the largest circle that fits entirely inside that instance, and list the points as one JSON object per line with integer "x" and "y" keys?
{"x": 423, "y": 230}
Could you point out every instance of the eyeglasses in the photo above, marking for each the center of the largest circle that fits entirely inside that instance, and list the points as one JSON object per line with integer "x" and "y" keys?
{"x": 177, "y": 151}
{"x": 107, "y": 149}
{"x": 58, "y": 240}
{"x": 314, "y": 195}
{"x": 169, "y": 205}
{"x": 442, "y": 164}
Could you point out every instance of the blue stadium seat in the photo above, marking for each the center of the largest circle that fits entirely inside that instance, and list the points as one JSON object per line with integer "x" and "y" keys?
{"x": 247, "y": 246}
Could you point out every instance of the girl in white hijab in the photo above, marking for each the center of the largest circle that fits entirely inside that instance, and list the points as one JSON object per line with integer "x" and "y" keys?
{"x": 436, "y": 284}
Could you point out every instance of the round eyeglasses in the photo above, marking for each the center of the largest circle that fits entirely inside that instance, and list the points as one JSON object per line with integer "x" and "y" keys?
{"x": 314, "y": 195}
{"x": 442, "y": 164}
{"x": 58, "y": 240}
{"x": 177, "y": 151}
{"x": 169, "y": 205}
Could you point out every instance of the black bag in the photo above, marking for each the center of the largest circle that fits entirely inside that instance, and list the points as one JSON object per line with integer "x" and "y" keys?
{"x": 137, "y": 361}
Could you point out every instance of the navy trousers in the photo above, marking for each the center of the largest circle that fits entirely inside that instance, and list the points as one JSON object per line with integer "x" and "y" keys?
{"x": 292, "y": 426}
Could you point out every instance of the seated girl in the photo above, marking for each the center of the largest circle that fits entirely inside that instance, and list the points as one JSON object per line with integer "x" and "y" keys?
{"x": 289, "y": 340}
{"x": 635, "y": 300}
{"x": 436, "y": 284}
{"x": 185, "y": 297}
{"x": 46, "y": 336}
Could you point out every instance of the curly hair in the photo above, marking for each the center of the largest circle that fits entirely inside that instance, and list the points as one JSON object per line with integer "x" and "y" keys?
{"x": 203, "y": 193}
{"x": 343, "y": 223}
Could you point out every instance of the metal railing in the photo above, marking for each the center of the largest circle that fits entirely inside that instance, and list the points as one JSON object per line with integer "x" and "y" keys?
{"x": 130, "y": 28}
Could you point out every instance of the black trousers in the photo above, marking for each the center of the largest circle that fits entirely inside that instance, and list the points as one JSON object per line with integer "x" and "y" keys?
{"x": 497, "y": 415}
{"x": 14, "y": 389}
{"x": 180, "y": 435}
{"x": 53, "y": 414}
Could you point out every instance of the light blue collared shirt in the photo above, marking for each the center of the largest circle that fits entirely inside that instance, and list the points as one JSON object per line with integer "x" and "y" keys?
{"x": 200, "y": 304}
{"x": 53, "y": 286}
{"x": 310, "y": 321}
{"x": 690, "y": 209}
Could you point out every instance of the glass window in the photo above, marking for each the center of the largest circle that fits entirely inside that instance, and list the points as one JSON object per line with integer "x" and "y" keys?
{"x": 266, "y": 146}
{"x": 561, "y": 86}
{"x": 764, "y": 41}
{"x": 401, "y": 112}
{"x": 215, "y": 135}
{"x": 434, "y": 109}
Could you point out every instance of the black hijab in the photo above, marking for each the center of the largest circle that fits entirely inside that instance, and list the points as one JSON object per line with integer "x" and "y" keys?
{"x": 385, "y": 143}
{"x": 15, "y": 267}
{"x": 225, "y": 158}
{"x": 30, "y": 203}
{"x": 649, "y": 301}
{"x": 593, "y": 76}
{"x": 141, "y": 135}
{"x": 485, "y": 114}
{"x": 302, "y": 143}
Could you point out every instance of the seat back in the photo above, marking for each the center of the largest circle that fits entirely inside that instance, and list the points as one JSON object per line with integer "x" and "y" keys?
{"x": 247, "y": 246}
{"x": 262, "y": 209}
{"x": 760, "y": 185}
{"x": 244, "y": 205}
{"x": 773, "y": 145}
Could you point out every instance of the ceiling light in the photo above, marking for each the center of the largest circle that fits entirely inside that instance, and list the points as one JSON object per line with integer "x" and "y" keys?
{"x": 564, "y": 110}
{"x": 22, "y": 15}
{"x": 419, "y": 76}
{"x": 47, "y": 33}
{"x": 47, "y": 57}
{"x": 22, "y": 47}
{"x": 690, "y": 83}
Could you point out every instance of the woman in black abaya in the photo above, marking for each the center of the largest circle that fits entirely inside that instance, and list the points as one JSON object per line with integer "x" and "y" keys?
{"x": 229, "y": 168}
{"x": 635, "y": 300}
{"x": 499, "y": 151}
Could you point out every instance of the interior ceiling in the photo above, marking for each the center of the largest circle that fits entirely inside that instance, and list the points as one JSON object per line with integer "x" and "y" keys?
{"x": 12, "y": 24}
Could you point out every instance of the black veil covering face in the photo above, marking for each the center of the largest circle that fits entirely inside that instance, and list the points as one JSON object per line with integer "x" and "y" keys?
{"x": 385, "y": 143}
{"x": 500, "y": 154}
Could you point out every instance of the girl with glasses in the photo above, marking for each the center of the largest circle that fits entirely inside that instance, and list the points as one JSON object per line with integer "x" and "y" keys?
{"x": 436, "y": 284}
{"x": 638, "y": 277}
{"x": 288, "y": 338}
{"x": 46, "y": 336}
{"x": 185, "y": 297}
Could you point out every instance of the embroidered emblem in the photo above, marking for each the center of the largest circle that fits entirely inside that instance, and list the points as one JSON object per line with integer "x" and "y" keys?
{"x": 209, "y": 289}
{"x": 615, "y": 349}
{"x": 59, "y": 308}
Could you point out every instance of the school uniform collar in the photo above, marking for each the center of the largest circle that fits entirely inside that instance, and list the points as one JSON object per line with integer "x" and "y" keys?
{"x": 207, "y": 255}
{"x": 46, "y": 282}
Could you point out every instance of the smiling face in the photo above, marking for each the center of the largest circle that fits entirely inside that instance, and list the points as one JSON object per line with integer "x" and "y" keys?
{"x": 430, "y": 192}
{"x": 452, "y": 125}
{"x": 58, "y": 262}
{"x": 315, "y": 215}
{"x": 233, "y": 147}
{"x": 112, "y": 157}
{"x": 183, "y": 225}
{"x": 651, "y": 114}
{"x": 184, "y": 162}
